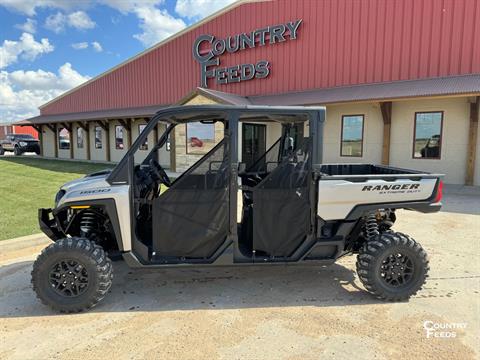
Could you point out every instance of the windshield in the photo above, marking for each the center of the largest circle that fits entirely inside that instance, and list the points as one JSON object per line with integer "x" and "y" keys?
{"x": 24, "y": 136}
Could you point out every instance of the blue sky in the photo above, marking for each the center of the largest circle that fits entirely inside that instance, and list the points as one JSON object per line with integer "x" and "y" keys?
{"x": 50, "y": 46}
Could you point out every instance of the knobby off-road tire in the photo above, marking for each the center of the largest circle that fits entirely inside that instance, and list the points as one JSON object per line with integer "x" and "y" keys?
{"x": 392, "y": 267}
{"x": 17, "y": 151}
{"x": 72, "y": 275}
{"x": 2, "y": 151}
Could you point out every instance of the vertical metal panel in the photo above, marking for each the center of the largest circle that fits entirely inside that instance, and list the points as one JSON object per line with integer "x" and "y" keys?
{"x": 340, "y": 42}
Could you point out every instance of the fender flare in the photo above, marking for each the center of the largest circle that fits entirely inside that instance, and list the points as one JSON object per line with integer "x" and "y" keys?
{"x": 110, "y": 208}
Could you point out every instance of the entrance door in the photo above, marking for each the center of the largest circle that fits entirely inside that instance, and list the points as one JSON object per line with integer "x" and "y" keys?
{"x": 253, "y": 142}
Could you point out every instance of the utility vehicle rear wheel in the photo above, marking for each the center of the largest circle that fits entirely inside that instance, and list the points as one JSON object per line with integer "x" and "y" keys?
{"x": 72, "y": 275}
{"x": 17, "y": 151}
{"x": 2, "y": 151}
{"x": 393, "y": 266}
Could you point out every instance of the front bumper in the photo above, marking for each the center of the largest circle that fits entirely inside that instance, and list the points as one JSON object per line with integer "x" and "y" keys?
{"x": 30, "y": 148}
{"x": 48, "y": 224}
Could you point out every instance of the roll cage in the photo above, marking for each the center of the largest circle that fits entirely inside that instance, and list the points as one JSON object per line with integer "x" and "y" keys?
{"x": 196, "y": 220}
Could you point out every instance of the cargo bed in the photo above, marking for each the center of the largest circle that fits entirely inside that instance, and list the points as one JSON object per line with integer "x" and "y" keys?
{"x": 345, "y": 189}
{"x": 345, "y": 171}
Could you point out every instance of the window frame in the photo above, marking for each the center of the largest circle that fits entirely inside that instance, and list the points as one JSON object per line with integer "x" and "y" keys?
{"x": 186, "y": 139}
{"x": 146, "y": 140}
{"x": 123, "y": 137}
{"x": 83, "y": 138}
{"x": 59, "y": 130}
{"x": 95, "y": 137}
{"x": 415, "y": 134}
{"x": 363, "y": 135}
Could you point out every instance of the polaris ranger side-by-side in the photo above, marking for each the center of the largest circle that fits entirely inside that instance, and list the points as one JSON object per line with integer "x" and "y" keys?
{"x": 284, "y": 207}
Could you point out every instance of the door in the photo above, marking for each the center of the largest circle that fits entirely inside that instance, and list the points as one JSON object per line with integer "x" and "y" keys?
{"x": 281, "y": 201}
{"x": 253, "y": 142}
{"x": 8, "y": 144}
{"x": 190, "y": 219}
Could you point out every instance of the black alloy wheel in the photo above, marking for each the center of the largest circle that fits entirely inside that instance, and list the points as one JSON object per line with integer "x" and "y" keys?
{"x": 72, "y": 275}
{"x": 69, "y": 278}
{"x": 396, "y": 269}
{"x": 393, "y": 266}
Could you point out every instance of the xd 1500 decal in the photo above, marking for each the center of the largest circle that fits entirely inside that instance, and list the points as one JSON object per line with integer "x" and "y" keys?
{"x": 261, "y": 37}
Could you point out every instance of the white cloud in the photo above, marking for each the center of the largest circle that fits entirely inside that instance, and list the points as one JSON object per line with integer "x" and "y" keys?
{"x": 96, "y": 46}
{"x": 21, "y": 92}
{"x": 129, "y": 6}
{"x": 56, "y": 22}
{"x": 78, "y": 20}
{"x": 28, "y": 7}
{"x": 80, "y": 45}
{"x": 156, "y": 25}
{"x": 199, "y": 8}
{"x": 26, "y": 48}
{"x": 29, "y": 26}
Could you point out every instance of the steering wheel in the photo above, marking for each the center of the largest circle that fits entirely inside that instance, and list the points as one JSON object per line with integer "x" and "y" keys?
{"x": 159, "y": 173}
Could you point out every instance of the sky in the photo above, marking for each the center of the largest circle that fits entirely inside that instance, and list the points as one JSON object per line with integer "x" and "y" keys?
{"x": 48, "y": 47}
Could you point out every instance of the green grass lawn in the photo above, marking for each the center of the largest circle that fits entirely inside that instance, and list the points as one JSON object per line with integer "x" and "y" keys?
{"x": 27, "y": 184}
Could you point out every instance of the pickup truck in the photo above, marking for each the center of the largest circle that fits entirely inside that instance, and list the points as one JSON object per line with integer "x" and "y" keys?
{"x": 288, "y": 207}
{"x": 19, "y": 144}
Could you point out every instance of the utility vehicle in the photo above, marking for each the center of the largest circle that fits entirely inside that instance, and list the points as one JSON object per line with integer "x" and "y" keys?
{"x": 285, "y": 207}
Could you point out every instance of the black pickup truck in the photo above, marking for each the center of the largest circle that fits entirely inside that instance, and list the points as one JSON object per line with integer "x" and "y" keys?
{"x": 19, "y": 144}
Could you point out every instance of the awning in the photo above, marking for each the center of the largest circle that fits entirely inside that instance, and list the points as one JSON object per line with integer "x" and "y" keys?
{"x": 138, "y": 112}
{"x": 404, "y": 89}
{"x": 443, "y": 86}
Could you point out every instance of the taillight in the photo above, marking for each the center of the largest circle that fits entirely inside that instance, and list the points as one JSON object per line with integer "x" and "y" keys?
{"x": 439, "y": 194}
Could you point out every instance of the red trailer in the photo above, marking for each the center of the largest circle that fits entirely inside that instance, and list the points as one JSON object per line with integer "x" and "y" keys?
{"x": 25, "y": 130}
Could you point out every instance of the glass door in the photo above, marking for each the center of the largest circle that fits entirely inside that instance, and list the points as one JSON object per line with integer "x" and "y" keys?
{"x": 253, "y": 142}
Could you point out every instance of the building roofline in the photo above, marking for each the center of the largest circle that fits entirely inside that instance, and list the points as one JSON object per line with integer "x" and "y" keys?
{"x": 454, "y": 85}
{"x": 152, "y": 48}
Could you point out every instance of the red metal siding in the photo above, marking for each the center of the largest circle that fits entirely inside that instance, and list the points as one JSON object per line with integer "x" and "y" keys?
{"x": 340, "y": 42}
{"x": 4, "y": 130}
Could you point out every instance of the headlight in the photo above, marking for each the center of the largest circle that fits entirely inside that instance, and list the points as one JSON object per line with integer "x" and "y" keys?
{"x": 23, "y": 143}
{"x": 59, "y": 196}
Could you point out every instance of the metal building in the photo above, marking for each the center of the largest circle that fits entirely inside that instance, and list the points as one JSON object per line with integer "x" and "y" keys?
{"x": 400, "y": 80}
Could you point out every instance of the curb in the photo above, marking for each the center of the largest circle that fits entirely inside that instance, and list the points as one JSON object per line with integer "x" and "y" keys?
{"x": 23, "y": 242}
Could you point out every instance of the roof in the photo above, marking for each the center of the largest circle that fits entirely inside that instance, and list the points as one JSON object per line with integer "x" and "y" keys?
{"x": 139, "y": 112}
{"x": 444, "y": 86}
{"x": 441, "y": 86}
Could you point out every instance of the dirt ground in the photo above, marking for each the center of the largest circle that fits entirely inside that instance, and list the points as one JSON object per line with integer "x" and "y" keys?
{"x": 261, "y": 313}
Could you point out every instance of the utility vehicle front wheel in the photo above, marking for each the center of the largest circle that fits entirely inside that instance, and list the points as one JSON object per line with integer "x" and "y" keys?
{"x": 393, "y": 266}
{"x": 17, "y": 151}
{"x": 2, "y": 151}
{"x": 72, "y": 275}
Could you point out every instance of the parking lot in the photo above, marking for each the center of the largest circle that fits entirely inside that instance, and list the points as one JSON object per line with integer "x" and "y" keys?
{"x": 263, "y": 313}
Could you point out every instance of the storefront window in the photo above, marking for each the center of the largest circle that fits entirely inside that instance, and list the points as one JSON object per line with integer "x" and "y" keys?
{"x": 79, "y": 138}
{"x": 200, "y": 138}
{"x": 427, "y": 142}
{"x": 119, "y": 137}
{"x": 63, "y": 139}
{"x": 144, "y": 146}
{"x": 352, "y": 135}
{"x": 98, "y": 137}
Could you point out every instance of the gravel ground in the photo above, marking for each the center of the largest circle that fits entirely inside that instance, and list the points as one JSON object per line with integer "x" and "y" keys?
{"x": 261, "y": 313}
